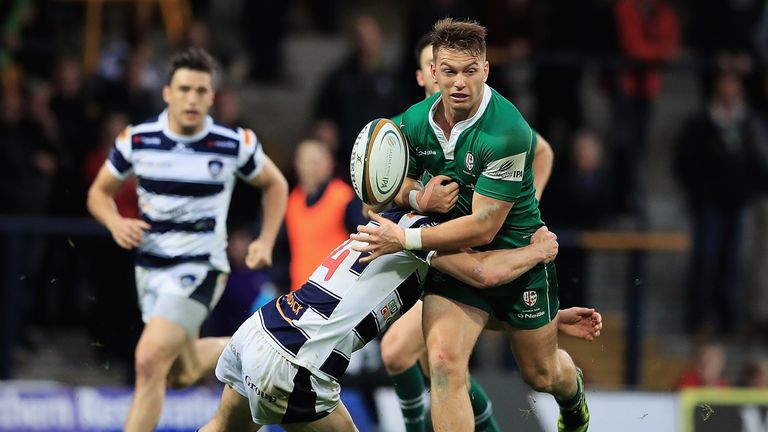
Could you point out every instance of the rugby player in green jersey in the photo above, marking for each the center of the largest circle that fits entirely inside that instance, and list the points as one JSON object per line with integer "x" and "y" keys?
{"x": 478, "y": 139}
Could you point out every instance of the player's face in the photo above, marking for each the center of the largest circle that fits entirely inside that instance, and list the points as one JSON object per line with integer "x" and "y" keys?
{"x": 460, "y": 77}
{"x": 424, "y": 74}
{"x": 189, "y": 97}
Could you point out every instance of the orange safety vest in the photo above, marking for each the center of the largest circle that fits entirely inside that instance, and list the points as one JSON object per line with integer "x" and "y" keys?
{"x": 315, "y": 231}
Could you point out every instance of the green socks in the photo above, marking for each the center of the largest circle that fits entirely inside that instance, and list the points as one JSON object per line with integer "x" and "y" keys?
{"x": 482, "y": 408}
{"x": 410, "y": 388}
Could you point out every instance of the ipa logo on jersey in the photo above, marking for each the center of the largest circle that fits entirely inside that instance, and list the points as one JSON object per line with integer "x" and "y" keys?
{"x": 379, "y": 162}
{"x": 530, "y": 297}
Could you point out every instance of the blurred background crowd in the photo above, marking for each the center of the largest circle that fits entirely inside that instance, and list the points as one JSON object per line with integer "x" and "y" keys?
{"x": 657, "y": 111}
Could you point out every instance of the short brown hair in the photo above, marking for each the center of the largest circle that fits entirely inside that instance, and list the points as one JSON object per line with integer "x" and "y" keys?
{"x": 465, "y": 36}
{"x": 195, "y": 59}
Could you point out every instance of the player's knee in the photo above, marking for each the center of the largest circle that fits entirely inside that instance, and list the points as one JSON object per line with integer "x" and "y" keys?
{"x": 447, "y": 364}
{"x": 147, "y": 366}
{"x": 394, "y": 359}
{"x": 151, "y": 364}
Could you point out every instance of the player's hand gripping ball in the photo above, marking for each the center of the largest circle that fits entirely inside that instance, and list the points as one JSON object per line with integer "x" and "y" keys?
{"x": 379, "y": 162}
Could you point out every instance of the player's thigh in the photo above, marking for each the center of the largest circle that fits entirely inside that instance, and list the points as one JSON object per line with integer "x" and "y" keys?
{"x": 403, "y": 344}
{"x": 535, "y": 350}
{"x": 234, "y": 414}
{"x": 338, "y": 420}
{"x": 451, "y": 328}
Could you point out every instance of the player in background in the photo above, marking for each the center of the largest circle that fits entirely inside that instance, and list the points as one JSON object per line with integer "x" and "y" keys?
{"x": 284, "y": 363}
{"x": 479, "y": 139}
{"x": 403, "y": 349}
{"x": 185, "y": 164}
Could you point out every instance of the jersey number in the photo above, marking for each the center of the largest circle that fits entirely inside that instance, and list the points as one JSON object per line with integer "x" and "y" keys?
{"x": 332, "y": 262}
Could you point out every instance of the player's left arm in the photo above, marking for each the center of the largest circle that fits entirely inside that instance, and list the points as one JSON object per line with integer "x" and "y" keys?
{"x": 542, "y": 165}
{"x": 497, "y": 267}
{"x": 273, "y": 203}
{"x": 476, "y": 229}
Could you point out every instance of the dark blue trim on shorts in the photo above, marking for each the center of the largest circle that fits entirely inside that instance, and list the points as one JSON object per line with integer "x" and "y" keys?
{"x": 368, "y": 328}
{"x": 281, "y": 331}
{"x": 150, "y": 260}
{"x": 301, "y": 403}
{"x": 179, "y": 188}
{"x": 318, "y": 298}
{"x": 204, "y": 225}
{"x": 335, "y": 365}
{"x": 409, "y": 292}
{"x": 204, "y": 292}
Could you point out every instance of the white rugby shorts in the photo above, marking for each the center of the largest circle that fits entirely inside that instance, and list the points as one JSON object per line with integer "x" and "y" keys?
{"x": 278, "y": 391}
{"x": 184, "y": 293}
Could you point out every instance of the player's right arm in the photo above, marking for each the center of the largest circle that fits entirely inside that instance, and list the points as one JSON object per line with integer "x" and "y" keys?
{"x": 439, "y": 195}
{"x": 497, "y": 267}
{"x": 127, "y": 232}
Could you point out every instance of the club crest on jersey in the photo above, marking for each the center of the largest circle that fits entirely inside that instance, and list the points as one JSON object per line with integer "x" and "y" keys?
{"x": 469, "y": 161}
{"x": 215, "y": 166}
{"x": 530, "y": 297}
{"x": 187, "y": 280}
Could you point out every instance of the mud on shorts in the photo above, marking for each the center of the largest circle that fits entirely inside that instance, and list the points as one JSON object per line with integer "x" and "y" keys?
{"x": 184, "y": 294}
{"x": 278, "y": 391}
{"x": 527, "y": 303}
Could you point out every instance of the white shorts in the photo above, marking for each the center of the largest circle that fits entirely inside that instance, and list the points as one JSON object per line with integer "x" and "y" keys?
{"x": 184, "y": 293}
{"x": 278, "y": 391}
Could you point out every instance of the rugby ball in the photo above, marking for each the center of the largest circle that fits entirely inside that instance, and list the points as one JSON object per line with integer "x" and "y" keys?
{"x": 379, "y": 162}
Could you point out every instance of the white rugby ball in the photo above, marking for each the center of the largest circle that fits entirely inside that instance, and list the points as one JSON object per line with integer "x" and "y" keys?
{"x": 379, "y": 162}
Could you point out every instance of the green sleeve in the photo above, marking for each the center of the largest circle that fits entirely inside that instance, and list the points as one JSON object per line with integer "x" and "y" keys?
{"x": 507, "y": 162}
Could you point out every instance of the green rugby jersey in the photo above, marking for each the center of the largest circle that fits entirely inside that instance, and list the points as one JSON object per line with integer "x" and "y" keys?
{"x": 490, "y": 153}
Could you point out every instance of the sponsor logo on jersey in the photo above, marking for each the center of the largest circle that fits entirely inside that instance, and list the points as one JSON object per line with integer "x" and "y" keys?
{"x": 215, "y": 166}
{"x": 187, "y": 280}
{"x": 150, "y": 141}
{"x": 469, "y": 161}
{"x": 425, "y": 152}
{"x": 529, "y": 315}
{"x": 259, "y": 392}
{"x": 508, "y": 169}
{"x": 530, "y": 297}
{"x": 180, "y": 147}
{"x": 290, "y": 307}
{"x": 222, "y": 144}
{"x": 393, "y": 307}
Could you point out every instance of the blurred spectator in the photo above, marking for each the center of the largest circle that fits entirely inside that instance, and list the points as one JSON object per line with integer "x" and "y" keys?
{"x": 723, "y": 33}
{"x": 580, "y": 179}
{"x": 27, "y": 146}
{"x": 361, "y": 89}
{"x": 246, "y": 289}
{"x": 11, "y": 18}
{"x": 515, "y": 29}
{"x": 322, "y": 211}
{"x": 567, "y": 38}
{"x": 720, "y": 162}
{"x": 73, "y": 112}
{"x": 245, "y": 205}
{"x": 132, "y": 94}
{"x": 264, "y": 25}
{"x": 753, "y": 373}
{"x": 648, "y": 35}
{"x": 114, "y": 320}
{"x": 706, "y": 367}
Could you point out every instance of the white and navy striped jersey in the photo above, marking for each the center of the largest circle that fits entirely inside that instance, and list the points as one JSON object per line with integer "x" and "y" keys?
{"x": 345, "y": 304}
{"x": 184, "y": 187}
